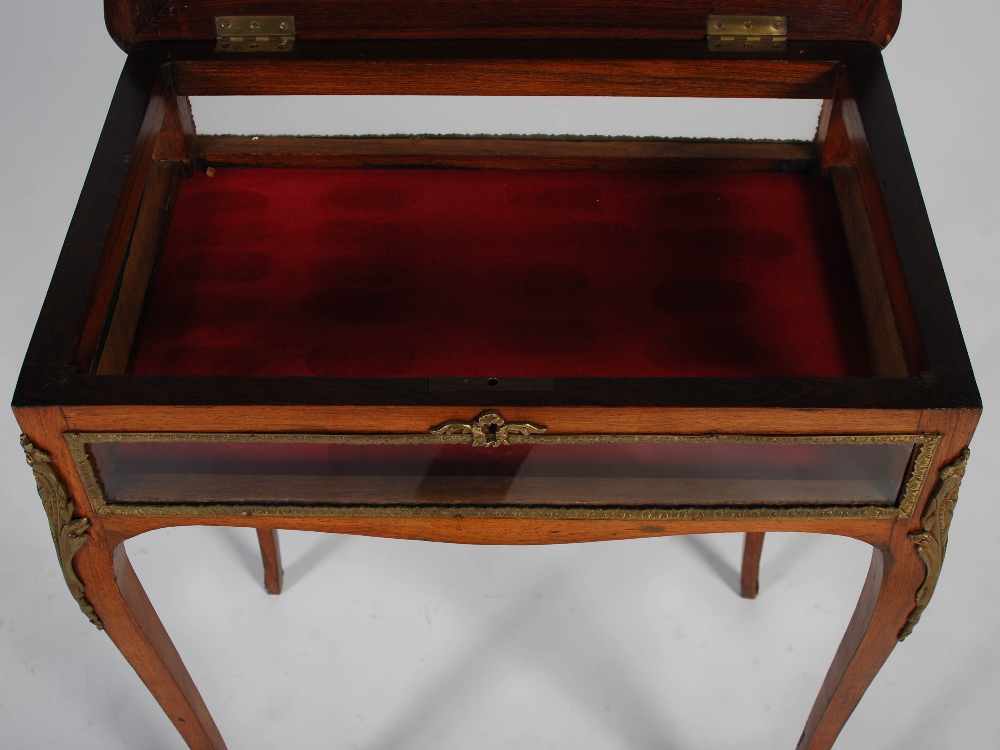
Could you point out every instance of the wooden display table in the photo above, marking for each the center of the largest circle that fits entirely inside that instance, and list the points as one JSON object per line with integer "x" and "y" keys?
{"x": 499, "y": 340}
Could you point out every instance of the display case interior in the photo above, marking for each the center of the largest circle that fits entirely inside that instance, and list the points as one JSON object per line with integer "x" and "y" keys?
{"x": 502, "y": 263}
{"x": 439, "y": 273}
{"x": 491, "y": 271}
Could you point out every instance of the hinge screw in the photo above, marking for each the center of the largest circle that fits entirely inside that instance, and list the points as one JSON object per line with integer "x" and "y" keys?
{"x": 226, "y": 23}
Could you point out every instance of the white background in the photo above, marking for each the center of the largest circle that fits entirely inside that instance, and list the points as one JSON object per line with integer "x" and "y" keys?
{"x": 381, "y": 644}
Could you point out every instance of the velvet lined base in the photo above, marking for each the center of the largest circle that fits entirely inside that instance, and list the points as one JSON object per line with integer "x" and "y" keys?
{"x": 437, "y": 273}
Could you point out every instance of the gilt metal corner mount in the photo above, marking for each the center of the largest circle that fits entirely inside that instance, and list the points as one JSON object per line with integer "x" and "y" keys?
{"x": 932, "y": 541}
{"x": 68, "y": 533}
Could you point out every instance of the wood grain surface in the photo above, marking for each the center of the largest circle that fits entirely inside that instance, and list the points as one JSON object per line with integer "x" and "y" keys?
{"x": 868, "y": 20}
{"x": 808, "y": 79}
{"x": 885, "y": 347}
{"x": 506, "y": 153}
{"x": 99, "y": 221}
{"x": 106, "y": 279}
{"x": 467, "y": 530}
{"x": 161, "y": 186}
{"x": 753, "y": 544}
{"x": 557, "y": 420}
{"x": 270, "y": 553}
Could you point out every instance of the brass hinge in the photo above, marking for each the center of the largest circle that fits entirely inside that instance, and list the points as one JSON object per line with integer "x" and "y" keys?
{"x": 747, "y": 33}
{"x": 254, "y": 33}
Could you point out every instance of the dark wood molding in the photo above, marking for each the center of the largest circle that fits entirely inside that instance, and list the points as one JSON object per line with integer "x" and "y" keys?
{"x": 861, "y": 20}
{"x": 949, "y": 367}
{"x": 878, "y": 20}
{"x": 536, "y": 152}
{"x": 506, "y": 76}
{"x": 158, "y": 195}
{"x": 885, "y": 347}
{"x": 800, "y": 393}
{"x": 127, "y": 20}
{"x": 106, "y": 281}
{"x": 112, "y": 173}
{"x": 316, "y": 50}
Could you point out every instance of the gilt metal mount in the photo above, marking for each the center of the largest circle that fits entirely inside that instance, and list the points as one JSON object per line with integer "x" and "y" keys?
{"x": 68, "y": 533}
{"x": 932, "y": 541}
{"x": 489, "y": 429}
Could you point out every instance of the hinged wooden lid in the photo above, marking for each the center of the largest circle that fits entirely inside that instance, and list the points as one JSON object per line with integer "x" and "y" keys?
{"x": 131, "y": 21}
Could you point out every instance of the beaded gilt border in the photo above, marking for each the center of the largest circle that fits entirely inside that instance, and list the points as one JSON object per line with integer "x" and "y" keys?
{"x": 490, "y": 429}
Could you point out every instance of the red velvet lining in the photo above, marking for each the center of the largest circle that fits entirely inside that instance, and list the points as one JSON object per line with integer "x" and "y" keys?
{"x": 435, "y": 273}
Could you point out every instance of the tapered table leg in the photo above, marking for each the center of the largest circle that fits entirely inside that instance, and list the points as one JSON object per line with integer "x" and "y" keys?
{"x": 270, "y": 553}
{"x": 753, "y": 543}
{"x": 101, "y": 579}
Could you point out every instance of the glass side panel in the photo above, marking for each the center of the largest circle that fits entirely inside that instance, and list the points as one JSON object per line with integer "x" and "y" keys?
{"x": 368, "y": 115}
{"x": 643, "y": 474}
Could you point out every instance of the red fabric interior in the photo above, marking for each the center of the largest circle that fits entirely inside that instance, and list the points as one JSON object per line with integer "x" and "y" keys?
{"x": 436, "y": 273}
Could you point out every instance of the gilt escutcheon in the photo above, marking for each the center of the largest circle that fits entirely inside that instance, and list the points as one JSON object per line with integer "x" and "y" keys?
{"x": 489, "y": 429}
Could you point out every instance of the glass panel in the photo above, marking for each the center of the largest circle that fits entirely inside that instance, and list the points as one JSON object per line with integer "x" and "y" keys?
{"x": 663, "y": 117}
{"x": 648, "y": 474}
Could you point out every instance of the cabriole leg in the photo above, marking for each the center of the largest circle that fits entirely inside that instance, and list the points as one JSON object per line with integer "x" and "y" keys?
{"x": 888, "y": 597}
{"x": 105, "y": 586}
{"x": 900, "y": 584}
{"x": 133, "y": 625}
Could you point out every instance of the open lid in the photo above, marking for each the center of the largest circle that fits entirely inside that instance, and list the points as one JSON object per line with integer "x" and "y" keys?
{"x": 131, "y": 21}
